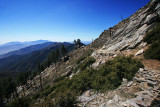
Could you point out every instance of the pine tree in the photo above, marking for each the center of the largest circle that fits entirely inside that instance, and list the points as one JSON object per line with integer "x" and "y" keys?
{"x": 1, "y": 98}
{"x": 40, "y": 79}
{"x": 78, "y": 42}
{"x": 57, "y": 56}
{"x": 63, "y": 51}
{"x": 75, "y": 42}
{"x": 51, "y": 58}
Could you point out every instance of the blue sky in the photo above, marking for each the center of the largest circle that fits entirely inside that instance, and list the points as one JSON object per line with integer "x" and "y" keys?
{"x": 61, "y": 20}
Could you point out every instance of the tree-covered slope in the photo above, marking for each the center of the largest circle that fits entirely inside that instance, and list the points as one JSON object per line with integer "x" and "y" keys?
{"x": 29, "y": 61}
{"x": 12, "y": 46}
{"x": 27, "y": 50}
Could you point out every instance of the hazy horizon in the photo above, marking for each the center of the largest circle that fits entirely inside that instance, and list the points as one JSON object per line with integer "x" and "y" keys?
{"x": 41, "y": 39}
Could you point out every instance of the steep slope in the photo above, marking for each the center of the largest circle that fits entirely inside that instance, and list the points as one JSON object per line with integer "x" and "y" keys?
{"x": 128, "y": 34}
{"x": 126, "y": 38}
{"x": 12, "y": 46}
{"x": 26, "y": 50}
{"x": 123, "y": 39}
{"x": 29, "y": 61}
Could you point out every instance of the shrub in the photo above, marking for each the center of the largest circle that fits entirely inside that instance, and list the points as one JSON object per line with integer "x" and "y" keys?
{"x": 20, "y": 102}
{"x": 82, "y": 81}
{"x": 81, "y": 59}
{"x": 75, "y": 69}
{"x": 66, "y": 99}
{"x": 84, "y": 56}
{"x": 88, "y": 52}
{"x": 153, "y": 35}
{"x": 153, "y": 52}
{"x": 153, "y": 38}
{"x": 59, "y": 79}
{"x": 89, "y": 61}
{"x": 108, "y": 76}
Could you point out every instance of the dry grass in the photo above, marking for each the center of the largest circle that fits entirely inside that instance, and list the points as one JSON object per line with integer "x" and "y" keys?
{"x": 150, "y": 64}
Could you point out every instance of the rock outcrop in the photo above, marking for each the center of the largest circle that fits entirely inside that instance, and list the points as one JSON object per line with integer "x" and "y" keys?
{"x": 143, "y": 91}
{"x": 128, "y": 34}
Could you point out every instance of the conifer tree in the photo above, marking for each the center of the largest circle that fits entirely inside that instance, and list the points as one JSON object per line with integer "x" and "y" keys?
{"x": 1, "y": 98}
{"x": 78, "y": 42}
{"x": 57, "y": 56}
{"x": 75, "y": 42}
{"x": 63, "y": 51}
{"x": 51, "y": 58}
{"x": 40, "y": 79}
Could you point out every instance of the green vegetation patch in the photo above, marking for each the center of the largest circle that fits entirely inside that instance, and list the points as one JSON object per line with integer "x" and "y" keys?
{"x": 153, "y": 38}
{"x": 85, "y": 55}
{"x": 153, "y": 35}
{"x": 81, "y": 59}
{"x": 153, "y": 52}
{"x": 20, "y": 102}
{"x": 109, "y": 76}
{"x": 87, "y": 62}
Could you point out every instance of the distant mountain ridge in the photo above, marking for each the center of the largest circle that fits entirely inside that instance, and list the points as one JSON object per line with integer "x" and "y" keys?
{"x": 28, "y": 62}
{"x": 12, "y": 46}
{"x": 10, "y": 43}
{"x": 26, "y": 42}
{"x": 27, "y": 50}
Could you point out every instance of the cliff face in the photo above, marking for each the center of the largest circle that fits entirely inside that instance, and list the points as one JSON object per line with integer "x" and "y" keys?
{"x": 128, "y": 34}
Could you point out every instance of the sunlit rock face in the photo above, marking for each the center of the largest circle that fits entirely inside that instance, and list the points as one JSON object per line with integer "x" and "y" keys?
{"x": 129, "y": 33}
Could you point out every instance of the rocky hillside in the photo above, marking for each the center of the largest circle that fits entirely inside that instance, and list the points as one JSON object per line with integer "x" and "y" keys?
{"x": 143, "y": 91}
{"x": 129, "y": 33}
{"x": 124, "y": 39}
